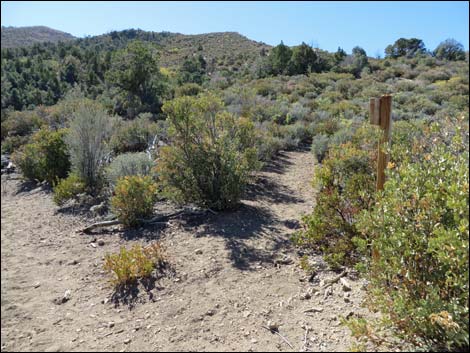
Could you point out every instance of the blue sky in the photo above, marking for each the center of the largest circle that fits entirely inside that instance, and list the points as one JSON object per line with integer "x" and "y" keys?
{"x": 371, "y": 25}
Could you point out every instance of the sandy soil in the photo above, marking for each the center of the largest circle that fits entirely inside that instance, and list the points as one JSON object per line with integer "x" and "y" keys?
{"x": 229, "y": 275}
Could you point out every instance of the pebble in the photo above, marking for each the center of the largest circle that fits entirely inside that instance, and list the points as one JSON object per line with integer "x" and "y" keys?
{"x": 127, "y": 341}
{"x": 198, "y": 251}
{"x": 100, "y": 242}
{"x": 345, "y": 284}
{"x": 210, "y": 312}
{"x": 36, "y": 285}
{"x": 273, "y": 326}
{"x": 316, "y": 309}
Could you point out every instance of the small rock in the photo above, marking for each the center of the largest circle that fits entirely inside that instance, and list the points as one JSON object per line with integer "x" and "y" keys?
{"x": 198, "y": 251}
{"x": 110, "y": 324}
{"x": 98, "y": 209}
{"x": 328, "y": 292}
{"x": 273, "y": 326}
{"x": 345, "y": 284}
{"x": 286, "y": 260}
{"x": 305, "y": 296}
{"x": 210, "y": 312}
{"x": 127, "y": 341}
{"x": 316, "y": 309}
{"x": 93, "y": 245}
{"x": 64, "y": 298}
{"x": 36, "y": 285}
{"x": 292, "y": 224}
{"x": 254, "y": 340}
{"x": 100, "y": 242}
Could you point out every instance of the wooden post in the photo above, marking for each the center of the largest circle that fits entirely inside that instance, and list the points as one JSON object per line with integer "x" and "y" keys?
{"x": 380, "y": 114}
{"x": 385, "y": 120}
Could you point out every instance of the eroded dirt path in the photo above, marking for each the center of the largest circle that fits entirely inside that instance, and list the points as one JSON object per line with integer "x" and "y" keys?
{"x": 233, "y": 272}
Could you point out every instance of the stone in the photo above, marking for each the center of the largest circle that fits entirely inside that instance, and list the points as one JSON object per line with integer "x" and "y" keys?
{"x": 273, "y": 326}
{"x": 100, "y": 242}
{"x": 98, "y": 209}
{"x": 127, "y": 341}
{"x": 316, "y": 309}
{"x": 292, "y": 224}
{"x": 198, "y": 251}
{"x": 345, "y": 284}
{"x": 210, "y": 312}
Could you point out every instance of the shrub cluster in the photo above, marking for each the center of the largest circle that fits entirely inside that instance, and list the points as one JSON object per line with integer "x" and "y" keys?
{"x": 417, "y": 234}
{"x": 129, "y": 265}
{"x": 128, "y": 164}
{"x": 89, "y": 132}
{"x": 133, "y": 135}
{"x": 46, "y": 158}
{"x": 134, "y": 198}
{"x": 211, "y": 153}
{"x": 68, "y": 188}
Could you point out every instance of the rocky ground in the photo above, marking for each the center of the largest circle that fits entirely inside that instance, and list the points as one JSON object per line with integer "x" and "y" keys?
{"x": 230, "y": 276}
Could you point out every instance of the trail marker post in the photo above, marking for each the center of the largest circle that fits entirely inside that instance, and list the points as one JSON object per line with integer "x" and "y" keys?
{"x": 380, "y": 113}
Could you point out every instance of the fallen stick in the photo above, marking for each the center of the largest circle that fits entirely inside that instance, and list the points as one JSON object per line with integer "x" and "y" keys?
{"x": 277, "y": 332}
{"x": 305, "y": 338}
{"x": 334, "y": 280}
{"x": 100, "y": 224}
{"x": 154, "y": 220}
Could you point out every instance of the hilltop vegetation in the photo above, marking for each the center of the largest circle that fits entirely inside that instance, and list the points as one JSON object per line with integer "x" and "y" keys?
{"x": 190, "y": 118}
{"x": 15, "y": 37}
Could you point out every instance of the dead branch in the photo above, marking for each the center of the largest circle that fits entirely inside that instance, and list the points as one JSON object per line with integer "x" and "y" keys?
{"x": 99, "y": 225}
{"x": 154, "y": 220}
{"x": 334, "y": 280}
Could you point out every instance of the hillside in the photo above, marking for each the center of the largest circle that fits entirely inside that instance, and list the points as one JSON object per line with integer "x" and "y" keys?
{"x": 14, "y": 37}
{"x": 220, "y": 49}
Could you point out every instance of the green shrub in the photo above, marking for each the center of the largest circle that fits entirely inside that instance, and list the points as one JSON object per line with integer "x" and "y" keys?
{"x": 133, "y": 135}
{"x": 68, "y": 188}
{"x": 320, "y": 146}
{"x": 188, "y": 89}
{"x": 134, "y": 197}
{"x": 129, "y": 265}
{"x": 211, "y": 155}
{"x": 89, "y": 133}
{"x": 20, "y": 124}
{"x": 12, "y": 143}
{"x": 417, "y": 235}
{"x": 128, "y": 164}
{"x": 346, "y": 186}
{"x": 45, "y": 158}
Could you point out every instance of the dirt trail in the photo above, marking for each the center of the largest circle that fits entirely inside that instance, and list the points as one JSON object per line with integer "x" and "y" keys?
{"x": 233, "y": 272}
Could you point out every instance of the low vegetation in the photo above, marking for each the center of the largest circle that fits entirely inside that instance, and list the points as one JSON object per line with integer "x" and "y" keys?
{"x": 127, "y": 266}
{"x": 133, "y": 200}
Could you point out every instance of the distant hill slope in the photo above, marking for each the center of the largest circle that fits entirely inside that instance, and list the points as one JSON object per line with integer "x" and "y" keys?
{"x": 220, "y": 49}
{"x": 13, "y": 37}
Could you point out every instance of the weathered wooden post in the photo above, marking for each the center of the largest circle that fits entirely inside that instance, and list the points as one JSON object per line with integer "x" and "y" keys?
{"x": 380, "y": 110}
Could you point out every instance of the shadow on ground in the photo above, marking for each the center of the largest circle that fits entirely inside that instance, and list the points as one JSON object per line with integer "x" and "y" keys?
{"x": 141, "y": 290}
